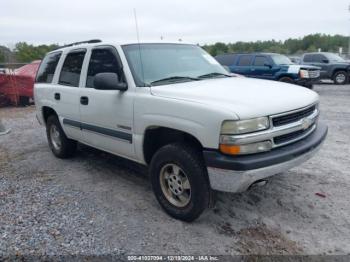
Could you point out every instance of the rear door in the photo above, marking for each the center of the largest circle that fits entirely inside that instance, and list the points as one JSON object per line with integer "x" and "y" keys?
{"x": 242, "y": 65}
{"x": 106, "y": 115}
{"x": 65, "y": 92}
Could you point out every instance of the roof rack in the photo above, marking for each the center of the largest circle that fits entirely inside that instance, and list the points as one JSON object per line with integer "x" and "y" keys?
{"x": 92, "y": 41}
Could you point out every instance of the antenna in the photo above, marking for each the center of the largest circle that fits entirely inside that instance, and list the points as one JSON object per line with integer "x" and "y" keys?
{"x": 138, "y": 41}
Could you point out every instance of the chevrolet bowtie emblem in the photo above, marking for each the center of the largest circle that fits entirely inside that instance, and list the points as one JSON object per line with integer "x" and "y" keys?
{"x": 307, "y": 122}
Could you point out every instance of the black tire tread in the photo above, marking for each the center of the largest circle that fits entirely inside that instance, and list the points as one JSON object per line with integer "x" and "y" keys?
{"x": 286, "y": 79}
{"x": 68, "y": 146}
{"x": 346, "y": 79}
{"x": 191, "y": 157}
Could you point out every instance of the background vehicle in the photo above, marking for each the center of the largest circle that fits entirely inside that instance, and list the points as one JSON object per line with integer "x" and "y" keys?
{"x": 295, "y": 59}
{"x": 178, "y": 112}
{"x": 16, "y": 86}
{"x": 270, "y": 66}
{"x": 332, "y": 66}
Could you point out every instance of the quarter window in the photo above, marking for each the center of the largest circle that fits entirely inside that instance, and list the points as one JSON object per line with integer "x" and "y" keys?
{"x": 102, "y": 61}
{"x": 71, "y": 69}
{"x": 47, "y": 68}
{"x": 245, "y": 60}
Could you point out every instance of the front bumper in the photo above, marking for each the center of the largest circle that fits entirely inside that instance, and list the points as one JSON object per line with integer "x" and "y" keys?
{"x": 236, "y": 174}
{"x": 307, "y": 82}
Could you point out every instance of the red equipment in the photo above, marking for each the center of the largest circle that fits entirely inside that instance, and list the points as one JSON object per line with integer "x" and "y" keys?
{"x": 16, "y": 87}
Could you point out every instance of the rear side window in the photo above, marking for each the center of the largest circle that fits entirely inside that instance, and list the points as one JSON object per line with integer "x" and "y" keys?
{"x": 245, "y": 60}
{"x": 47, "y": 68}
{"x": 102, "y": 61}
{"x": 71, "y": 69}
{"x": 226, "y": 60}
{"x": 260, "y": 61}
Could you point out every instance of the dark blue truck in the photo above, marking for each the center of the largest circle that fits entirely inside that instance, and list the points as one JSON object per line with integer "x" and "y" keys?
{"x": 270, "y": 66}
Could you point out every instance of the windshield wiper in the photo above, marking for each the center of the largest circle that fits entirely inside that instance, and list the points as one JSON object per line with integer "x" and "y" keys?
{"x": 175, "y": 79}
{"x": 214, "y": 74}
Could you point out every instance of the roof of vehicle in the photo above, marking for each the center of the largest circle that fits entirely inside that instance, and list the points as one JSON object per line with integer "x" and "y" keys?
{"x": 96, "y": 42}
{"x": 255, "y": 53}
{"x": 315, "y": 53}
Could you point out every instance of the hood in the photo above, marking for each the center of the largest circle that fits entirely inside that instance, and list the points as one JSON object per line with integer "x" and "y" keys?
{"x": 245, "y": 97}
{"x": 295, "y": 68}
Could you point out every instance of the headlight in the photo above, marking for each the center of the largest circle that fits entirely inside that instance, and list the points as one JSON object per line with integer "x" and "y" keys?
{"x": 244, "y": 126}
{"x": 304, "y": 74}
{"x": 246, "y": 149}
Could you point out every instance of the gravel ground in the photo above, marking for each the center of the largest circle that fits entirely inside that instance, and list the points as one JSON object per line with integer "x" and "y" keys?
{"x": 96, "y": 203}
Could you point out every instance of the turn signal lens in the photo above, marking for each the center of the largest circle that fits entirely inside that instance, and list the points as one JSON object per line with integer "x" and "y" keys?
{"x": 230, "y": 149}
{"x": 246, "y": 149}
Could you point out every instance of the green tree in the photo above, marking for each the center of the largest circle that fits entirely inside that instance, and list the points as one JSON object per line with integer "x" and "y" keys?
{"x": 2, "y": 57}
{"x": 290, "y": 46}
{"x": 27, "y": 53}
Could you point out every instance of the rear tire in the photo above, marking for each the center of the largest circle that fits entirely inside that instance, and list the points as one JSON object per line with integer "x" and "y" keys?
{"x": 341, "y": 78}
{"x": 60, "y": 145}
{"x": 180, "y": 181}
{"x": 23, "y": 101}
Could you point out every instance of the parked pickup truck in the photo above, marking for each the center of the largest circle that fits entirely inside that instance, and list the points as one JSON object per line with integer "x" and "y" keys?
{"x": 332, "y": 66}
{"x": 173, "y": 108}
{"x": 270, "y": 66}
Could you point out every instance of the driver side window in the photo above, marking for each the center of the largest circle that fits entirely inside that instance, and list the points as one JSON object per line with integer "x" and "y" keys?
{"x": 103, "y": 60}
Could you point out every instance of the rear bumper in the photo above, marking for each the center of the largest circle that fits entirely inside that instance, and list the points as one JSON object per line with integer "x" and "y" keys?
{"x": 236, "y": 174}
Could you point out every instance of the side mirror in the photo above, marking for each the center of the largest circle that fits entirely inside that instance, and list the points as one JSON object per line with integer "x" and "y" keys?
{"x": 268, "y": 65}
{"x": 326, "y": 61}
{"x": 109, "y": 81}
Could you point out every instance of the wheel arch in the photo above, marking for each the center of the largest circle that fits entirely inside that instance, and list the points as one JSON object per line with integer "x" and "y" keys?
{"x": 337, "y": 69}
{"x": 46, "y": 112}
{"x": 157, "y": 136}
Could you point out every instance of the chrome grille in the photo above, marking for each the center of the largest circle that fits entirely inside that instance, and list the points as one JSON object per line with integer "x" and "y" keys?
{"x": 285, "y": 128}
{"x": 279, "y": 140}
{"x": 314, "y": 73}
{"x": 293, "y": 117}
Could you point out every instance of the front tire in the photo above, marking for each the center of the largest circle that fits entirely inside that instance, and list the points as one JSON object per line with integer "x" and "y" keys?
{"x": 60, "y": 145}
{"x": 286, "y": 79}
{"x": 340, "y": 78}
{"x": 180, "y": 181}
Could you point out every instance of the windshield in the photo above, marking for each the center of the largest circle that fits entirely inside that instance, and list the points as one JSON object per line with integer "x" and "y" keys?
{"x": 160, "y": 64}
{"x": 334, "y": 57}
{"x": 281, "y": 60}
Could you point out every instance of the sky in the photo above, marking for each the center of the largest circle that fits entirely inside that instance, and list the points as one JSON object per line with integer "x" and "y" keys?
{"x": 203, "y": 22}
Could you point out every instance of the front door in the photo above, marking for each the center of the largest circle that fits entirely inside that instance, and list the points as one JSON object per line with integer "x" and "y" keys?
{"x": 106, "y": 115}
{"x": 262, "y": 68}
{"x": 320, "y": 60}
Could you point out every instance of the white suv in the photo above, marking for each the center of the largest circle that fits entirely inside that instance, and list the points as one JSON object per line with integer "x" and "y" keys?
{"x": 172, "y": 107}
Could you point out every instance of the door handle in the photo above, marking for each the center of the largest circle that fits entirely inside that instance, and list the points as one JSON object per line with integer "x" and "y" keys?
{"x": 57, "y": 96}
{"x": 84, "y": 100}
